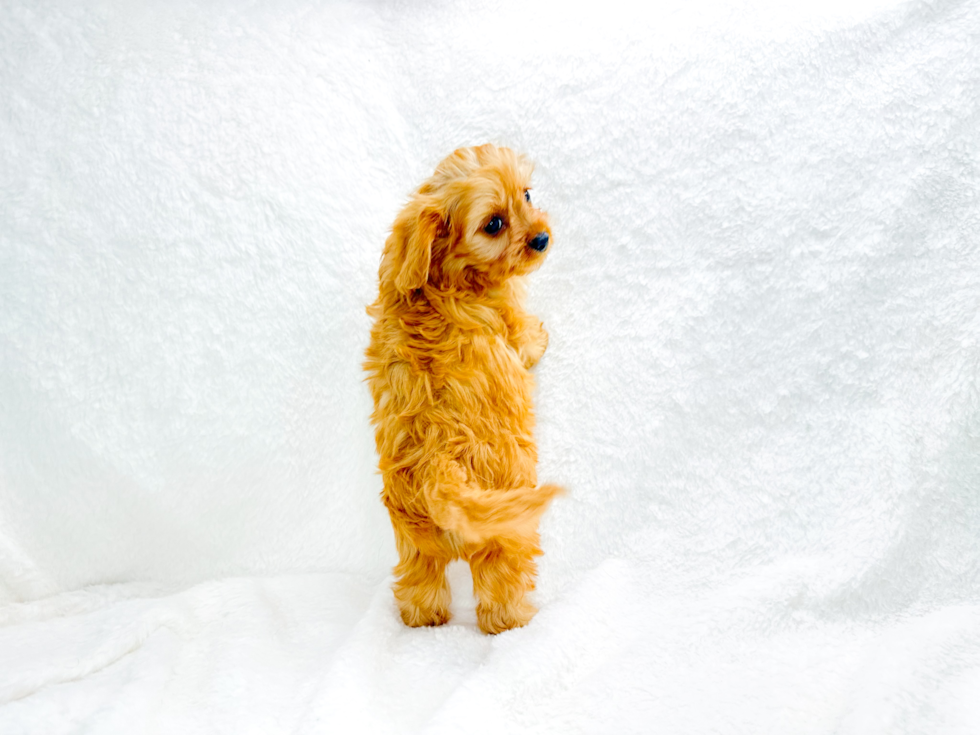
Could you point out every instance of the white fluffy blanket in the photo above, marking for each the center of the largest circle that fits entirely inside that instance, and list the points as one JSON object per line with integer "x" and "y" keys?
{"x": 761, "y": 391}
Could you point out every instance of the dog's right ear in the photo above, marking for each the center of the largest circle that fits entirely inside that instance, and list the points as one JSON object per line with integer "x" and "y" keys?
{"x": 408, "y": 250}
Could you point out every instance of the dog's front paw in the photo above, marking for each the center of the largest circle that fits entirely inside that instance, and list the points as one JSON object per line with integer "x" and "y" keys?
{"x": 496, "y": 617}
{"x": 535, "y": 347}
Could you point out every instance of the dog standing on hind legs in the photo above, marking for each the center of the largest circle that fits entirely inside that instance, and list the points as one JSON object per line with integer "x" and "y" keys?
{"x": 449, "y": 370}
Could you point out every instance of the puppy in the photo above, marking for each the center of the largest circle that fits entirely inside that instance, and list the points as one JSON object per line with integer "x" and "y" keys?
{"x": 448, "y": 367}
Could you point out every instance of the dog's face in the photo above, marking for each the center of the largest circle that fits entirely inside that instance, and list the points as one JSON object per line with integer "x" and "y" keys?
{"x": 471, "y": 224}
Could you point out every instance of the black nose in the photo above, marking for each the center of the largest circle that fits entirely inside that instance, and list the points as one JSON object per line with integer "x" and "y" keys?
{"x": 540, "y": 242}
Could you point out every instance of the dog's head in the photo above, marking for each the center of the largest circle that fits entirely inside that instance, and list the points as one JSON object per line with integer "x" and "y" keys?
{"x": 471, "y": 225}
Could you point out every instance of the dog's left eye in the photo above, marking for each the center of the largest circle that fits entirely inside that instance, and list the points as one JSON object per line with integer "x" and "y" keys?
{"x": 527, "y": 196}
{"x": 494, "y": 225}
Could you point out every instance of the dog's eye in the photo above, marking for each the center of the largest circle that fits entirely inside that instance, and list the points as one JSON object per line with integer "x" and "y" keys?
{"x": 494, "y": 225}
{"x": 527, "y": 196}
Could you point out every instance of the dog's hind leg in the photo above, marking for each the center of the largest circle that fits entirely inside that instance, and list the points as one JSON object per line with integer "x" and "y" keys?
{"x": 503, "y": 574}
{"x": 421, "y": 588}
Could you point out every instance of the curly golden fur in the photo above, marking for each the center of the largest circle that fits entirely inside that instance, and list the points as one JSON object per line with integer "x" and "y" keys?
{"x": 449, "y": 369}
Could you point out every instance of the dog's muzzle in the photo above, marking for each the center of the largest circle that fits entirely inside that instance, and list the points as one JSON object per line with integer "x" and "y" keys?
{"x": 539, "y": 242}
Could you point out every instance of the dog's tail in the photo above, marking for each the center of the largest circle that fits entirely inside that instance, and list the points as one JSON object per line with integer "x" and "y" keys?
{"x": 476, "y": 514}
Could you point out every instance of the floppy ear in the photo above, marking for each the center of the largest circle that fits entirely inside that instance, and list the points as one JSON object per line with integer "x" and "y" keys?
{"x": 408, "y": 250}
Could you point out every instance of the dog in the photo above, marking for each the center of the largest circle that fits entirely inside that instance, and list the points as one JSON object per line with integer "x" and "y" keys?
{"x": 449, "y": 371}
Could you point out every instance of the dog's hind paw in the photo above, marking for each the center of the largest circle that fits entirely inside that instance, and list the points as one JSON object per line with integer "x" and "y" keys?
{"x": 417, "y": 617}
{"x": 496, "y": 618}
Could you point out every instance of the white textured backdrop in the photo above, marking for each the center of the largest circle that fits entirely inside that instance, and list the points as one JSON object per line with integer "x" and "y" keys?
{"x": 761, "y": 391}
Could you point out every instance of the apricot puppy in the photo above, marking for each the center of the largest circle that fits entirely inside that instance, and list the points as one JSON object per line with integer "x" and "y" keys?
{"x": 448, "y": 366}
